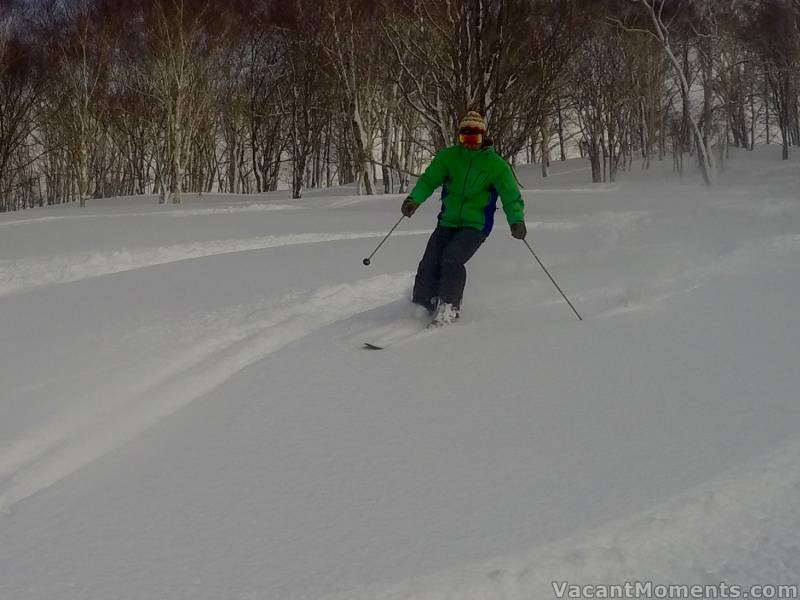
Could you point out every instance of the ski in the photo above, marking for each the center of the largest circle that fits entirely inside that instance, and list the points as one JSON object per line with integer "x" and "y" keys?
{"x": 395, "y": 338}
{"x": 371, "y": 346}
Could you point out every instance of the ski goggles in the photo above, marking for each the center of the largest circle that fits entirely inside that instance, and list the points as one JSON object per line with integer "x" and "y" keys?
{"x": 470, "y": 137}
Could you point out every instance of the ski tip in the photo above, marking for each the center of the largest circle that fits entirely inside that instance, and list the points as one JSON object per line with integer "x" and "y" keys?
{"x": 370, "y": 346}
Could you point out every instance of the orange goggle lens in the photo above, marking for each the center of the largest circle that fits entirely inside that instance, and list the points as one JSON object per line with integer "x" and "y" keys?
{"x": 470, "y": 139}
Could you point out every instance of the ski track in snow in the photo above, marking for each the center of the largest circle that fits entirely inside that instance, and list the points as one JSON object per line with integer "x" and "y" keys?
{"x": 46, "y": 456}
{"x": 23, "y": 275}
{"x": 624, "y": 298}
{"x": 189, "y": 212}
{"x": 348, "y": 201}
{"x": 606, "y": 189}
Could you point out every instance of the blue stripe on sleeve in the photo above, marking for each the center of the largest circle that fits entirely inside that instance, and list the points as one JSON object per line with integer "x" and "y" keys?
{"x": 488, "y": 212}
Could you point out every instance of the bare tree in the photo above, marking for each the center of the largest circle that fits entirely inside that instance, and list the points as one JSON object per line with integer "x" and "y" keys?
{"x": 503, "y": 58}
{"x": 23, "y": 80}
{"x": 264, "y": 69}
{"x": 180, "y": 37}
{"x": 605, "y": 99}
{"x": 777, "y": 40}
{"x": 142, "y": 96}
{"x": 351, "y": 46}
{"x": 83, "y": 43}
{"x": 659, "y": 25}
{"x": 303, "y": 106}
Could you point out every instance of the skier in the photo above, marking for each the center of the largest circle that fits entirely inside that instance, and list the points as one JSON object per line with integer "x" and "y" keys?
{"x": 471, "y": 175}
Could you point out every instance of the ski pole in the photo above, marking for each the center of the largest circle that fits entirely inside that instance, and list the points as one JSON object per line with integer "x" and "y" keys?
{"x": 367, "y": 260}
{"x": 553, "y": 280}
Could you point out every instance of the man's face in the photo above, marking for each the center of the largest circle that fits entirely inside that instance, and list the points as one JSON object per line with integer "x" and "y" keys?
{"x": 470, "y": 138}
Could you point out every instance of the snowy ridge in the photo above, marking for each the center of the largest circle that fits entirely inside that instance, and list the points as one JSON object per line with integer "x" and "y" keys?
{"x": 43, "y": 457}
{"x": 738, "y": 528}
{"x": 22, "y": 275}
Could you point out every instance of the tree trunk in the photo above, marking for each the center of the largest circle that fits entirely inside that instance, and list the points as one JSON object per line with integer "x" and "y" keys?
{"x": 561, "y": 142}
{"x": 545, "y": 149}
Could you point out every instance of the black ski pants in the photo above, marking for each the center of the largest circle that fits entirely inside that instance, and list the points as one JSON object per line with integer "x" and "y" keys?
{"x": 441, "y": 271}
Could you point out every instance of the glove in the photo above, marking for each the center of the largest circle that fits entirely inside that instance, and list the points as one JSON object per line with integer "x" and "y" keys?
{"x": 409, "y": 207}
{"x": 518, "y": 230}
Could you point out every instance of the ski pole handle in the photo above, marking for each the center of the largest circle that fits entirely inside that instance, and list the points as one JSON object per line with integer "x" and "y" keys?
{"x": 367, "y": 260}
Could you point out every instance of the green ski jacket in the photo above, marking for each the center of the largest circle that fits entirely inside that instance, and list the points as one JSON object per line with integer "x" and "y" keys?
{"x": 471, "y": 181}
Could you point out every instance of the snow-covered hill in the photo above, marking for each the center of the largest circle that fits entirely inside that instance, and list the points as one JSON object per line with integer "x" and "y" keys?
{"x": 187, "y": 412}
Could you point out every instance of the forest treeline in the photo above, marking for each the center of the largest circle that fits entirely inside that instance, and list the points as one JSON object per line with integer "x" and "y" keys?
{"x": 123, "y": 97}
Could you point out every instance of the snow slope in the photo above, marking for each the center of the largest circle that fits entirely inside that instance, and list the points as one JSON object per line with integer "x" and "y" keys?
{"x": 188, "y": 414}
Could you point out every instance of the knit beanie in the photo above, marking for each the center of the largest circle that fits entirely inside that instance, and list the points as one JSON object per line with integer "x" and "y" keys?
{"x": 472, "y": 120}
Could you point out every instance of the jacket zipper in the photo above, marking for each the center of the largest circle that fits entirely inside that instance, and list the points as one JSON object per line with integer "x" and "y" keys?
{"x": 464, "y": 187}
